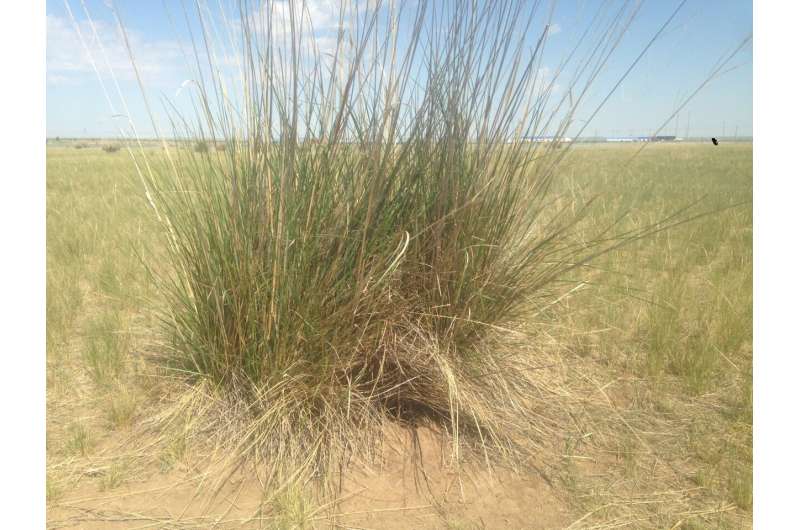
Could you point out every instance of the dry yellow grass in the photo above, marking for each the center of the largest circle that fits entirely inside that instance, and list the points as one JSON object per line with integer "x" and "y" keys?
{"x": 649, "y": 363}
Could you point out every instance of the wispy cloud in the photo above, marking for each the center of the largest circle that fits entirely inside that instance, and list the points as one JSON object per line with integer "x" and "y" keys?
{"x": 323, "y": 15}
{"x": 68, "y": 61}
{"x": 161, "y": 62}
{"x": 319, "y": 19}
{"x": 553, "y": 29}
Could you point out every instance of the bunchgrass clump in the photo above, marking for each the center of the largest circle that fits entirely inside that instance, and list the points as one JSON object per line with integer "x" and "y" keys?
{"x": 375, "y": 238}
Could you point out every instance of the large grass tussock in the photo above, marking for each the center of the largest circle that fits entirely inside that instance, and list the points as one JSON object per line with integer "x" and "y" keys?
{"x": 371, "y": 242}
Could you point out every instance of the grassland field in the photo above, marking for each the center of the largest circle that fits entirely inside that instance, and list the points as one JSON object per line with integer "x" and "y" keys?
{"x": 659, "y": 332}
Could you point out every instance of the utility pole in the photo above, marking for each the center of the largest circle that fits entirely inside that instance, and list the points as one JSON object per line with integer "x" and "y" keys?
{"x": 677, "y": 114}
{"x": 688, "y": 116}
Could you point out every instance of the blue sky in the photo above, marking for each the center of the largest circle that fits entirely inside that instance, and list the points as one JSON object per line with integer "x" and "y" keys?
{"x": 702, "y": 32}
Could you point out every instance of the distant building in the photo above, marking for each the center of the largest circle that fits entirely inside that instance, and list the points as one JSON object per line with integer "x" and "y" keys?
{"x": 547, "y": 139}
{"x": 641, "y": 139}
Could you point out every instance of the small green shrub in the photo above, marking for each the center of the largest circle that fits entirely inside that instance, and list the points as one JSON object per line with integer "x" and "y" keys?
{"x": 78, "y": 441}
{"x": 114, "y": 476}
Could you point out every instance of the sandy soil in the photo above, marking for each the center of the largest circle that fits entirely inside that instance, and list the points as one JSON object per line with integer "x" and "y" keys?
{"x": 415, "y": 486}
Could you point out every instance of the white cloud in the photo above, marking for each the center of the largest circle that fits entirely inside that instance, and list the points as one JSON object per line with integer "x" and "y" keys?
{"x": 553, "y": 29}
{"x": 543, "y": 76}
{"x": 162, "y": 64}
{"x": 324, "y": 15}
{"x": 545, "y": 80}
{"x": 320, "y": 20}
{"x": 317, "y": 16}
{"x": 69, "y": 63}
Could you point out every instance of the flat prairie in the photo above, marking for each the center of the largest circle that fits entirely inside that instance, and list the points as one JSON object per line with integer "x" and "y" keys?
{"x": 649, "y": 357}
